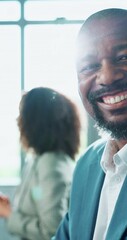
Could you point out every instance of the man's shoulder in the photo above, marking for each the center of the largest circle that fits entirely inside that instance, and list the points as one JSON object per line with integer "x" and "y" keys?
{"x": 90, "y": 160}
{"x": 96, "y": 146}
{"x": 93, "y": 151}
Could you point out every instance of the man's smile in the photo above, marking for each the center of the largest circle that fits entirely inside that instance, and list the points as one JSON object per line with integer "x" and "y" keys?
{"x": 116, "y": 101}
{"x": 113, "y": 99}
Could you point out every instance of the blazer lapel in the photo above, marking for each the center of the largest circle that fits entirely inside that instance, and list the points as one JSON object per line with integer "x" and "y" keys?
{"x": 118, "y": 222}
{"x": 90, "y": 201}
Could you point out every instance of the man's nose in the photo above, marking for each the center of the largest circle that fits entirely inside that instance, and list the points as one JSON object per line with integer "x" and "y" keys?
{"x": 109, "y": 73}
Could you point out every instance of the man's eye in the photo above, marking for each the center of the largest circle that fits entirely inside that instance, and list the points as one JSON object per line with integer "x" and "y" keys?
{"x": 122, "y": 58}
{"x": 89, "y": 68}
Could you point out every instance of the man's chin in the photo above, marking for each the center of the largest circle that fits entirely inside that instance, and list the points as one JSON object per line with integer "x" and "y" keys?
{"x": 117, "y": 130}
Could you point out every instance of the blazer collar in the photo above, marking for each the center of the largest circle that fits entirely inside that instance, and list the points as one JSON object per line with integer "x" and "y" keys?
{"x": 91, "y": 199}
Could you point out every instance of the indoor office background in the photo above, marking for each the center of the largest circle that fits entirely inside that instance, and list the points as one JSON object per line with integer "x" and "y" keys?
{"x": 37, "y": 48}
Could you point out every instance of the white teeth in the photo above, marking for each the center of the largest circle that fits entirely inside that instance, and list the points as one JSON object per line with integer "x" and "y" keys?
{"x": 112, "y": 100}
{"x": 122, "y": 97}
{"x": 115, "y": 99}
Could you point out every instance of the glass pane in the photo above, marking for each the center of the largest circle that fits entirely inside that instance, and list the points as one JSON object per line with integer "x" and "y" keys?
{"x": 9, "y": 10}
{"x": 9, "y": 100}
{"x": 50, "y": 57}
{"x": 50, "y": 10}
{"x": 72, "y": 10}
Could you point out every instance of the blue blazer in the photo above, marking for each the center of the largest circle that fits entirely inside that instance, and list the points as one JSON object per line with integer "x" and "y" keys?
{"x": 79, "y": 222}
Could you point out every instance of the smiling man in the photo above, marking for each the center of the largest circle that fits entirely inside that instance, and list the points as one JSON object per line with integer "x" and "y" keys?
{"x": 98, "y": 205}
{"x": 102, "y": 69}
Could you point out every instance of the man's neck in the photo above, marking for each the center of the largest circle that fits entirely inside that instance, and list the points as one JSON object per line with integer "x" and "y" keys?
{"x": 121, "y": 143}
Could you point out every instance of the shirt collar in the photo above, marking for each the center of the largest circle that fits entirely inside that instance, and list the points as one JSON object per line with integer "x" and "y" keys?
{"x": 121, "y": 156}
{"x": 113, "y": 157}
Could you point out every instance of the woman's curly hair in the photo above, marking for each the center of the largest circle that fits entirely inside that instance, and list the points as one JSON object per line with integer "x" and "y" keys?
{"x": 49, "y": 121}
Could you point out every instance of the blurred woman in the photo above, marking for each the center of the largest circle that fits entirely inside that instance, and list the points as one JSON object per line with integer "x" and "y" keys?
{"x": 50, "y": 134}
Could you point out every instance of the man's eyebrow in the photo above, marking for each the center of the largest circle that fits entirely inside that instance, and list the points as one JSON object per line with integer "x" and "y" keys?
{"x": 120, "y": 47}
{"x": 87, "y": 58}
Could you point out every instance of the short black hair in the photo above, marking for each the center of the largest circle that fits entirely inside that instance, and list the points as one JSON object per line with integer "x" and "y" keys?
{"x": 49, "y": 121}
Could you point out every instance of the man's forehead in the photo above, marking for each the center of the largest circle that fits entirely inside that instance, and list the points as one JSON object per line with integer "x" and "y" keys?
{"x": 105, "y": 26}
{"x": 99, "y": 32}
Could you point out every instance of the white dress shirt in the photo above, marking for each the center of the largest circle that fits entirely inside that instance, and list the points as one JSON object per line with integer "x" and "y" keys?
{"x": 114, "y": 164}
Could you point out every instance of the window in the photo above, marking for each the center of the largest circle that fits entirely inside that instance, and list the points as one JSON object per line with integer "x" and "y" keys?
{"x": 10, "y": 78}
{"x": 37, "y": 47}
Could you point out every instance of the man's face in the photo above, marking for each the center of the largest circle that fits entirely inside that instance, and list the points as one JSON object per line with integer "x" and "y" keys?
{"x": 102, "y": 73}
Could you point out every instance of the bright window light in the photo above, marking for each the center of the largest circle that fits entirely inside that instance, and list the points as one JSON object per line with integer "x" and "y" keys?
{"x": 50, "y": 57}
{"x": 71, "y": 10}
{"x": 9, "y": 10}
{"x": 9, "y": 99}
